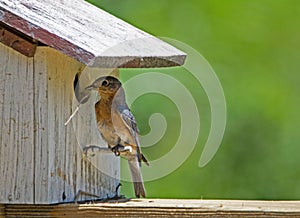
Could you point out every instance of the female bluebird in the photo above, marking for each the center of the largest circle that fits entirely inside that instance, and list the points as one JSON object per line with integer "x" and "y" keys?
{"x": 118, "y": 127}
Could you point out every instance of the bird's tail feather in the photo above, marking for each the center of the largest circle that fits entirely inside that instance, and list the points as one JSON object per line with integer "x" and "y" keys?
{"x": 137, "y": 178}
{"x": 142, "y": 158}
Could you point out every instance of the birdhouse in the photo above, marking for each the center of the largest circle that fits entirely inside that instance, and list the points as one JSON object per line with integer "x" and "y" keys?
{"x": 44, "y": 46}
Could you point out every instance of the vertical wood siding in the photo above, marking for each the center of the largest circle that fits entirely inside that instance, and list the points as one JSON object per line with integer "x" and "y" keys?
{"x": 41, "y": 159}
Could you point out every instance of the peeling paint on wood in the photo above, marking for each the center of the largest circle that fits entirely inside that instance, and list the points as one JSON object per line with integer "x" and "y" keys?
{"x": 41, "y": 160}
{"x": 88, "y": 34}
{"x": 16, "y": 125}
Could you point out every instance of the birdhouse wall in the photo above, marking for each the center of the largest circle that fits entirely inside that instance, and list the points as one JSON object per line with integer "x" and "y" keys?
{"x": 41, "y": 160}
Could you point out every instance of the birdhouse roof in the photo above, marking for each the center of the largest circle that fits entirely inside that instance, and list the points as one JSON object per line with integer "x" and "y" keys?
{"x": 87, "y": 34}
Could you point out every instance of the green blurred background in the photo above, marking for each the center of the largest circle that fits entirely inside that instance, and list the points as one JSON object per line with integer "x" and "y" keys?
{"x": 253, "y": 45}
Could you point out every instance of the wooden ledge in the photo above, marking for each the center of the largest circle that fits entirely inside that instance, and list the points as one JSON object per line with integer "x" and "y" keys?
{"x": 158, "y": 207}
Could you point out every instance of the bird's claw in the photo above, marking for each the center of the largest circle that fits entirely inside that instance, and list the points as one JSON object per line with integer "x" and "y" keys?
{"x": 115, "y": 151}
{"x": 120, "y": 148}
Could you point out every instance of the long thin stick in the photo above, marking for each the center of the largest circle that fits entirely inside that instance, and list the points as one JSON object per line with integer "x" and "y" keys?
{"x": 72, "y": 115}
{"x": 83, "y": 100}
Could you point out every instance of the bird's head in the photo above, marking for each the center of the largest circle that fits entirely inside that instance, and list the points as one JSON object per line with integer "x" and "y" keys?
{"x": 106, "y": 85}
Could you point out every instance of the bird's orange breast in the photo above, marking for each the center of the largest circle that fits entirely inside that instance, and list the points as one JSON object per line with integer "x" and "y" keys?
{"x": 105, "y": 124}
{"x": 111, "y": 126}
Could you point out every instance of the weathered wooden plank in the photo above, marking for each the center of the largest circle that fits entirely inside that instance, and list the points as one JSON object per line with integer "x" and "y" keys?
{"x": 24, "y": 95}
{"x": 58, "y": 107}
{"x": 161, "y": 208}
{"x": 2, "y": 211}
{"x": 16, "y": 115}
{"x": 3, "y": 147}
{"x": 61, "y": 166}
{"x": 88, "y": 34}
{"x": 41, "y": 159}
{"x": 42, "y": 175}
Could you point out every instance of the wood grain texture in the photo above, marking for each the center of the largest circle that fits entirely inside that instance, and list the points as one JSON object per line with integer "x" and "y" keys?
{"x": 16, "y": 127}
{"x": 41, "y": 179}
{"x": 68, "y": 170}
{"x": 161, "y": 208}
{"x": 88, "y": 34}
{"x": 2, "y": 211}
{"x": 41, "y": 159}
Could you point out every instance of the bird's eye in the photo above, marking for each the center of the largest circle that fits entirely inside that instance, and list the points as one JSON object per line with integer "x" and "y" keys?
{"x": 105, "y": 83}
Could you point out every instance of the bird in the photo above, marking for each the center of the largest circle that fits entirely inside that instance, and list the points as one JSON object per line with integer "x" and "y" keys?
{"x": 118, "y": 127}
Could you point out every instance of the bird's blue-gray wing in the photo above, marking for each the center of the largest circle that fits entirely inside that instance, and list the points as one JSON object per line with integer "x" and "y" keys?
{"x": 128, "y": 119}
{"x": 131, "y": 124}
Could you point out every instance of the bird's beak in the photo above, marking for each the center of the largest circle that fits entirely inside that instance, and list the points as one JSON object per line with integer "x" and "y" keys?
{"x": 91, "y": 87}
